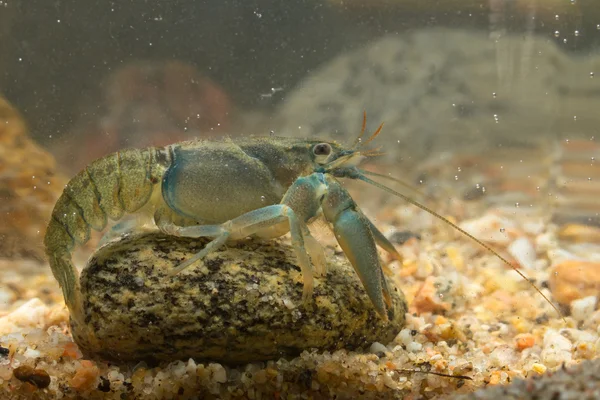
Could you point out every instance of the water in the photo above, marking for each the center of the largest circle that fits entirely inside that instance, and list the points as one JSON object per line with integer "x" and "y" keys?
{"x": 59, "y": 62}
{"x": 490, "y": 107}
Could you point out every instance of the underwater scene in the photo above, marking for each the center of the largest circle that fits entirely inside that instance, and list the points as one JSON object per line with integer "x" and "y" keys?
{"x": 311, "y": 199}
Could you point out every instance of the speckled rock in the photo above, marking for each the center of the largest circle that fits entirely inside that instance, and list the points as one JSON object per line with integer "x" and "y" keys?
{"x": 242, "y": 304}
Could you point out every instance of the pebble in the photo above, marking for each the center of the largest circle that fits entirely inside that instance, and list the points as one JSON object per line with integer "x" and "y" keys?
{"x": 7, "y": 296}
{"x": 428, "y": 300}
{"x": 524, "y": 341}
{"x": 582, "y": 309}
{"x": 574, "y": 279}
{"x": 377, "y": 347}
{"x": 557, "y": 349}
{"x": 37, "y": 377}
{"x": 523, "y": 251}
{"x": 32, "y": 314}
{"x": 579, "y": 233}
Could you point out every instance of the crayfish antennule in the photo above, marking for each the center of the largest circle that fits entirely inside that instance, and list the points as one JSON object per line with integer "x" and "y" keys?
{"x": 374, "y": 135}
{"x": 362, "y": 131}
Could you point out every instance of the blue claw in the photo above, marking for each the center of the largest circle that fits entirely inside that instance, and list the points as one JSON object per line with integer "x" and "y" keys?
{"x": 353, "y": 232}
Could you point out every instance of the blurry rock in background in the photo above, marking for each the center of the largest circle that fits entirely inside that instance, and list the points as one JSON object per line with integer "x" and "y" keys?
{"x": 144, "y": 104}
{"x": 29, "y": 187}
{"x": 447, "y": 90}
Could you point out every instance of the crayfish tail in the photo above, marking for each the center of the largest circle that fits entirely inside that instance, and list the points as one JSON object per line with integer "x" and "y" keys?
{"x": 59, "y": 244}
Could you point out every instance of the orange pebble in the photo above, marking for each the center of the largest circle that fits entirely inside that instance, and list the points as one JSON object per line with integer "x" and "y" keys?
{"x": 86, "y": 376}
{"x": 71, "y": 351}
{"x": 524, "y": 341}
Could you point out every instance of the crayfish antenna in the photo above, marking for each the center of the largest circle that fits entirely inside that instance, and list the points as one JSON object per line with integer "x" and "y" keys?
{"x": 363, "y": 178}
{"x": 406, "y": 185}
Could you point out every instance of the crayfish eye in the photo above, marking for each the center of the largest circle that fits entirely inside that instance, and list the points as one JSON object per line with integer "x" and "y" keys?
{"x": 322, "y": 149}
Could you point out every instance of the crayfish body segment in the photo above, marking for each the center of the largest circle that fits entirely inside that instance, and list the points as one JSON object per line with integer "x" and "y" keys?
{"x": 225, "y": 190}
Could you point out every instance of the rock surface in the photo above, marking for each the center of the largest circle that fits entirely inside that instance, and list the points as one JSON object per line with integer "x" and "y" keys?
{"x": 242, "y": 304}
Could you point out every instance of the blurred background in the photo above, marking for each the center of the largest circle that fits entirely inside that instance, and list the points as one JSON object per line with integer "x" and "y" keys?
{"x": 492, "y": 99}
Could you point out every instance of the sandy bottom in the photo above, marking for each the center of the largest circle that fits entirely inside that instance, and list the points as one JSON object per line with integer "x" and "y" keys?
{"x": 470, "y": 316}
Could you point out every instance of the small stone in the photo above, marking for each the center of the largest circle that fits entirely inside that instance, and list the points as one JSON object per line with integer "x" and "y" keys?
{"x": 523, "y": 251}
{"x": 428, "y": 300}
{"x": 32, "y": 314}
{"x": 582, "y": 309}
{"x": 37, "y": 377}
{"x": 377, "y": 347}
{"x": 219, "y": 374}
{"x": 31, "y": 353}
{"x": 579, "y": 233}
{"x": 207, "y": 312}
{"x": 524, "y": 341}
{"x": 539, "y": 368}
{"x": 557, "y": 349}
{"x": 574, "y": 279}
{"x": 86, "y": 376}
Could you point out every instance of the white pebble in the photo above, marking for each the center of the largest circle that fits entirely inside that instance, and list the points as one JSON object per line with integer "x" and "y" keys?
{"x": 218, "y": 373}
{"x": 414, "y": 347}
{"x": 31, "y": 353}
{"x": 377, "y": 347}
{"x": 581, "y": 309}
{"x": 523, "y": 251}
{"x": 32, "y": 314}
{"x": 503, "y": 355}
{"x": 191, "y": 367}
{"x": 404, "y": 337}
{"x": 7, "y": 296}
{"x": 557, "y": 349}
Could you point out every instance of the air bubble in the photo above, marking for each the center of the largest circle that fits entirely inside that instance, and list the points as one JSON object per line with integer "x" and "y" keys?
{"x": 262, "y": 198}
{"x": 494, "y": 95}
{"x": 591, "y": 74}
{"x": 556, "y": 33}
{"x": 576, "y": 33}
{"x": 517, "y": 204}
